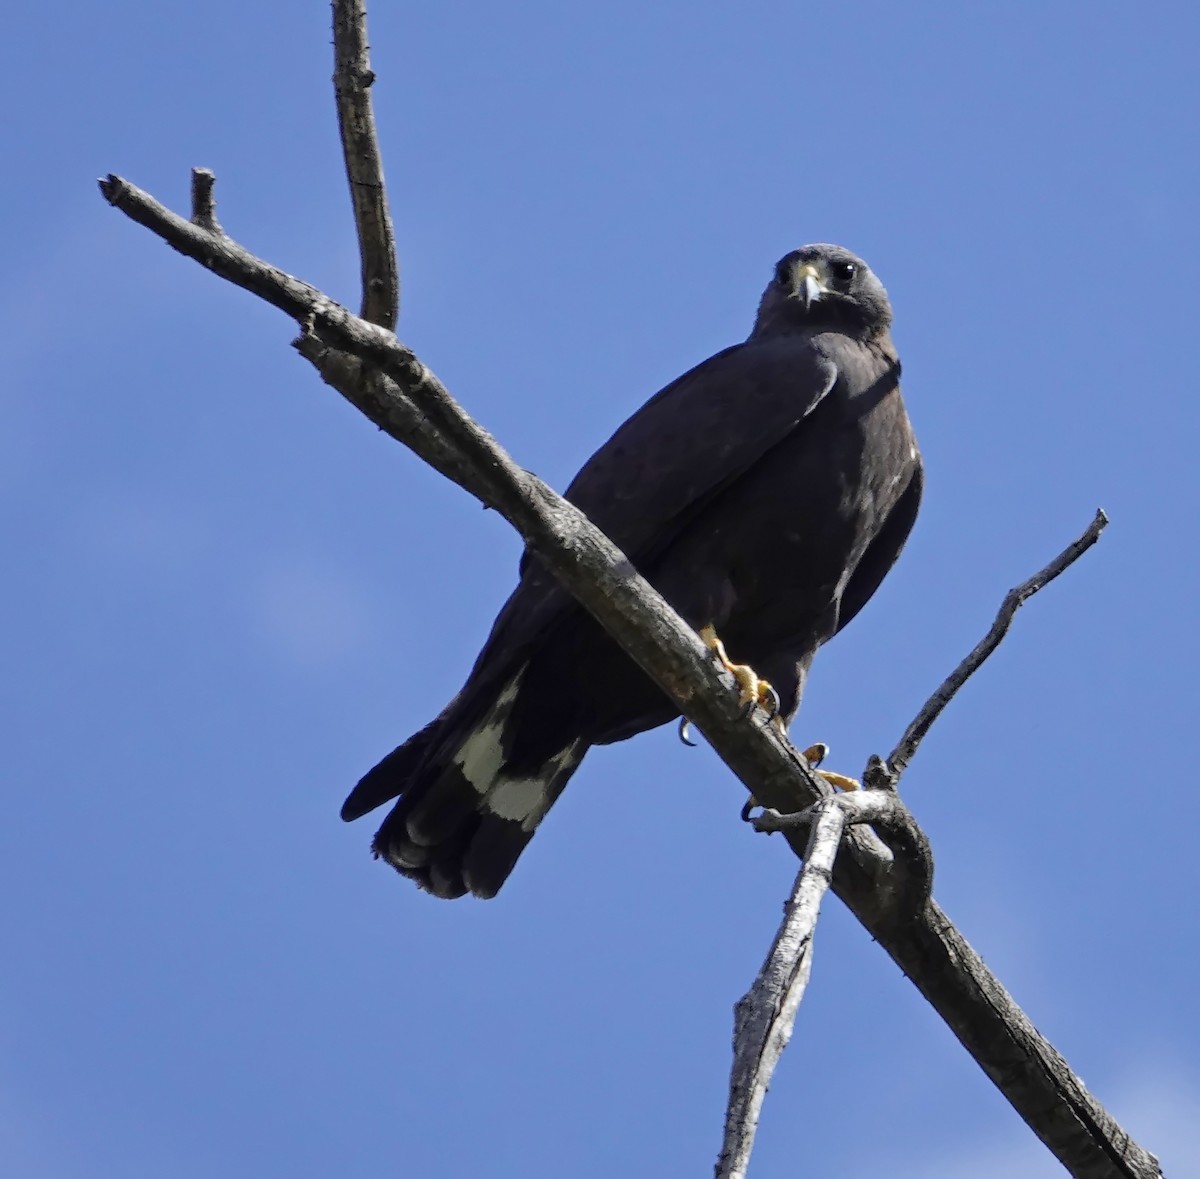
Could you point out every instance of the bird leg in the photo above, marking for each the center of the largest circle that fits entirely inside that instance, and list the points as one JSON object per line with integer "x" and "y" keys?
{"x": 751, "y": 689}
{"x": 755, "y": 691}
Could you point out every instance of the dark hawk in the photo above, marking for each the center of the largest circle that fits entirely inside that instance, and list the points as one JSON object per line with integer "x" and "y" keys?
{"x": 765, "y": 494}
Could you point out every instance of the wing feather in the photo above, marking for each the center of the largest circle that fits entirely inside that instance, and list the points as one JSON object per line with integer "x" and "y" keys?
{"x": 690, "y": 440}
{"x": 698, "y": 435}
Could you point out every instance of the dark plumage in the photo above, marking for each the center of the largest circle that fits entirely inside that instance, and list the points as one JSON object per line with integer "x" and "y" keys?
{"x": 767, "y": 492}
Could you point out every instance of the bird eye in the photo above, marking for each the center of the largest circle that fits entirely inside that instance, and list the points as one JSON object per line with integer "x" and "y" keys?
{"x": 844, "y": 271}
{"x": 783, "y": 273}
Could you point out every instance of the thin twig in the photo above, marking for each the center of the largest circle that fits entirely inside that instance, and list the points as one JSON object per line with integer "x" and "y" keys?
{"x": 204, "y": 206}
{"x": 899, "y": 758}
{"x": 764, "y": 1017}
{"x": 352, "y": 80}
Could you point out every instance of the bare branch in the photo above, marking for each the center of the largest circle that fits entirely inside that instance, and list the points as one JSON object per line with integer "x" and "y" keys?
{"x": 410, "y": 404}
{"x": 764, "y": 1017}
{"x": 415, "y": 408}
{"x": 899, "y": 758}
{"x": 912, "y": 859}
{"x": 858, "y": 806}
{"x": 204, "y": 207}
{"x": 352, "y": 80}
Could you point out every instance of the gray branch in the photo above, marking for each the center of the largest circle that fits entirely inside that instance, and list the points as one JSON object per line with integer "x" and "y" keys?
{"x": 386, "y": 381}
{"x": 204, "y": 204}
{"x": 879, "y": 805}
{"x": 764, "y": 1017}
{"x": 352, "y": 81}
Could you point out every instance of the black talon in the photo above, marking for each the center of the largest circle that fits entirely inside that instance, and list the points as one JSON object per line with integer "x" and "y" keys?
{"x": 684, "y": 725}
{"x": 751, "y": 803}
{"x": 747, "y": 709}
{"x": 774, "y": 704}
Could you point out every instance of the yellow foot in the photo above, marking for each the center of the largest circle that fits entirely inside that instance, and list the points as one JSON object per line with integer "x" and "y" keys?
{"x": 840, "y": 781}
{"x": 815, "y": 754}
{"x": 751, "y": 690}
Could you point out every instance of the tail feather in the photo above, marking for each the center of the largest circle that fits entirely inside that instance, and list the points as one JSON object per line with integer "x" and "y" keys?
{"x": 457, "y": 790}
{"x": 511, "y": 813}
{"x": 444, "y": 880}
{"x": 463, "y": 818}
{"x": 493, "y": 854}
{"x": 390, "y": 777}
{"x": 481, "y": 828}
{"x": 437, "y": 870}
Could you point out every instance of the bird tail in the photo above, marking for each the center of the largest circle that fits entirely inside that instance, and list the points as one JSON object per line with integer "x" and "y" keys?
{"x": 463, "y": 817}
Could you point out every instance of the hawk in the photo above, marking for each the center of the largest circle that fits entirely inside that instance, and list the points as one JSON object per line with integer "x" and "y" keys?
{"x": 765, "y": 494}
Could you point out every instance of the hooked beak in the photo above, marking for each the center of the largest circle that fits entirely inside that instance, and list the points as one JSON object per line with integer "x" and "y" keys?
{"x": 809, "y": 285}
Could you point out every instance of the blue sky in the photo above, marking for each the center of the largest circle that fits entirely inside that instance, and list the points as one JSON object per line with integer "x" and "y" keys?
{"x": 227, "y": 595}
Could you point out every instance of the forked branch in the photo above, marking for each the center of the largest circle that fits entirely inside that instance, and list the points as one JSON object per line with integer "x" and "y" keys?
{"x": 764, "y": 1017}
{"x": 383, "y": 379}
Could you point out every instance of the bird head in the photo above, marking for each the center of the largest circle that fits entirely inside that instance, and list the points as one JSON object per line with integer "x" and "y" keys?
{"x": 824, "y": 288}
